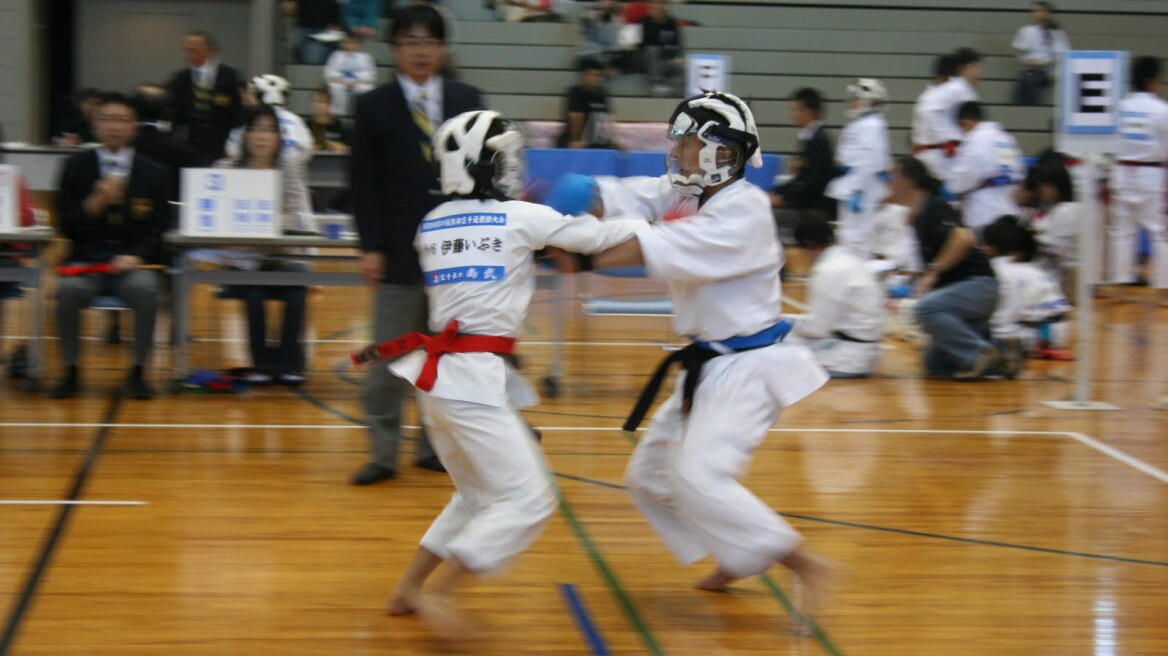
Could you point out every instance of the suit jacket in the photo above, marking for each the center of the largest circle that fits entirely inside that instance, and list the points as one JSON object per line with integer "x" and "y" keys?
{"x": 134, "y": 227}
{"x": 392, "y": 184}
{"x": 226, "y": 111}
{"x": 167, "y": 150}
{"x": 806, "y": 189}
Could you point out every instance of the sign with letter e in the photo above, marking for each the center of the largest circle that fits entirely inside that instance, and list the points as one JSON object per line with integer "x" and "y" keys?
{"x": 1093, "y": 83}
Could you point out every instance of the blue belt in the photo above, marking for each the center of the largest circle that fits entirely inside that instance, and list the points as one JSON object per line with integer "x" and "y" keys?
{"x": 762, "y": 338}
{"x": 883, "y": 176}
{"x": 997, "y": 181}
{"x": 692, "y": 358}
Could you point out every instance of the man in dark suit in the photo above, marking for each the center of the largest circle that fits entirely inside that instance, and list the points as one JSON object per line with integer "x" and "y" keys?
{"x": 814, "y": 168}
{"x": 205, "y": 98}
{"x": 112, "y": 205}
{"x": 157, "y": 144}
{"x": 394, "y": 185}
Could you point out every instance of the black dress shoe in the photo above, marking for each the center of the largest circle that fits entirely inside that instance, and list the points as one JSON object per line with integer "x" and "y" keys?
{"x": 370, "y": 474}
{"x": 67, "y": 389}
{"x": 139, "y": 389}
{"x": 432, "y": 463}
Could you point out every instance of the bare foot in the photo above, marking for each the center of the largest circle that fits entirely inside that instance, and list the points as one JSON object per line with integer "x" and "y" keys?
{"x": 716, "y": 582}
{"x": 403, "y": 602}
{"x": 442, "y": 618}
{"x": 817, "y": 577}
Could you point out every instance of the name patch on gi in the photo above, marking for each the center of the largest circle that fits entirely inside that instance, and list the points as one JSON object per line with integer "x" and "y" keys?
{"x": 463, "y": 248}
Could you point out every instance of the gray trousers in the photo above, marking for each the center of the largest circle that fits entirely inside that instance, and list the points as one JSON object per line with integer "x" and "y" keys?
{"x": 399, "y": 309}
{"x": 138, "y": 289}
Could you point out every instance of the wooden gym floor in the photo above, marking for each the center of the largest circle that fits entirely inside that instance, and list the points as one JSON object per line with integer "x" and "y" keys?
{"x": 969, "y": 518}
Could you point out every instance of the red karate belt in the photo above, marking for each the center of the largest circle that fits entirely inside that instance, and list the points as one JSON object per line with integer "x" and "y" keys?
{"x": 447, "y": 341}
{"x": 82, "y": 269}
{"x": 950, "y": 148}
{"x": 1132, "y": 162}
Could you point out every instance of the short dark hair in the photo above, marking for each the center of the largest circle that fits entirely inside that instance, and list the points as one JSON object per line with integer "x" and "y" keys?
{"x": 944, "y": 66}
{"x": 1144, "y": 70}
{"x": 1002, "y": 234}
{"x": 1055, "y": 174}
{"x": 151, "y": 102}
{"x": 88, "y": 93}
{"x": 1045, "y": 5}
{"x": 413, "y": 16}
{"x": 589, "y": 64}
{"x": 814, "y": 231}
{"x": 970, "y": 110}
{"x": 114, "y": 98}
{"x": 915, "y": 171}
{"x": 809, "y": 98}
{"x": 963, "y": 57}
{"x": 207, "y": 38}
{"x": 323, "y": 90}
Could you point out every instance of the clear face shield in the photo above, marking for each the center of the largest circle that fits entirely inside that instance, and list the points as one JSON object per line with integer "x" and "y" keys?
{"x": 508, "y": 160}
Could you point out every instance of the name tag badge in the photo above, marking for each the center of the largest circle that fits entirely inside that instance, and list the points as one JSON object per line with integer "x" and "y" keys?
{"x": 464, "y": 248}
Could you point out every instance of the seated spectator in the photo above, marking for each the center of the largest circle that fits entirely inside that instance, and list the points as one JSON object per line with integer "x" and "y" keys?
{"x": 349, "y": 73}
{"x": 328, "y": 134}
{"x": 661, "y": 48}
{"x": 601, "y": 24}
{"x": 112, "y": 204}
{"x": 1039, "y": 45}
{"x": 958, "y": 291}
{"x": 587, "y": 119}
{"x": 813, "y": 168}
{"x": 18, "y": 363}
{"x": 1029, "y": 298}
{"x": 844, "y": 320}
{"x": 1056, "y": 222}
{"x": 260, "y": 149}
{"x": 315, "y": 21}
{"x": 268, "y": 90}
{"x": 362, "y": 17}
{"x": 78, "y": 124}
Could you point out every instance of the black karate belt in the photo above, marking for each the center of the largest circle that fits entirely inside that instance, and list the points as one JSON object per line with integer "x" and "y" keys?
{"x": 692, "y": 359}
{"x": 848, "y": 338}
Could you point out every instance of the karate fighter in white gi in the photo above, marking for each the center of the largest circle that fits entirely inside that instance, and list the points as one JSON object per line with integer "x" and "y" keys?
{"x": 865, "y": 162}
{"x": 986, "y": 171}
{"x": 711, "y": 235}
{"x": 476, "y": 253}
{"x": 940, "y": 132}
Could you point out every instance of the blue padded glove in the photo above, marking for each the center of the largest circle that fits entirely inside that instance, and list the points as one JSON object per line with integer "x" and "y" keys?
{"x": 903, "y": 290}
{"x": 856, "y": 202}
{"x": 947, "y": 195}
{"x": 572, "y": 194}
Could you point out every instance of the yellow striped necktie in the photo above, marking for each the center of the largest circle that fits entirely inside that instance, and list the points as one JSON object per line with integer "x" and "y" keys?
{"x": 422, "y": 119}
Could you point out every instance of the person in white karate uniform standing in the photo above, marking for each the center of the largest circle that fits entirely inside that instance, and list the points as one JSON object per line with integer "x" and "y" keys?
{"x": 928, "y": 146}
{"x": 1137, "y": 180}
{"x": 987, "y": 170}
{"x": 940, "y": 111}
{"x": 865, "y": 159}
{"x": 476, "y": 253}
{"x": 349, "y": 73}
{"x": 711, "y": 236}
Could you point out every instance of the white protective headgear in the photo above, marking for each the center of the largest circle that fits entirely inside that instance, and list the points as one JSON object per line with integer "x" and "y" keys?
{"x": 871, "y": 93}
{"x": 270, "y": 88}
{"x": 465, "y": 155}
{"x": 718, "y": 119}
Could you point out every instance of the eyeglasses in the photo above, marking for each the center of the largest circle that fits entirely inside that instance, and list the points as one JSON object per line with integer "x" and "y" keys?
{"x": 418, "y": 44}
{"x": 111, "y": 118}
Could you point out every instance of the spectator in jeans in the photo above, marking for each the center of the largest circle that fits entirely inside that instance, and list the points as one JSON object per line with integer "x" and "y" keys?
{"x": 587, "y": 121}
{"x": 661, "y": 48}
{"x": 958, "y": 291}
{"x": 312, "y": 18}
{"x": 260, "y": 149}
{"x": 1038, "y": 45}
{"x": 113, "y": 206}
{"x": 813, "y": 169}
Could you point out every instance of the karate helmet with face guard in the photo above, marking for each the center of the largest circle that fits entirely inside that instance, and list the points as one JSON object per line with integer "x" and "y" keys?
{"x": 270, "y": 88}
{"x": 480, "y": 153}
{"x": 718, "y": 120}
{"x": 872, "y": 96}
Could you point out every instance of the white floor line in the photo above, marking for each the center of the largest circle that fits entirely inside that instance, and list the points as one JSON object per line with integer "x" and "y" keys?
{"x": 51, "y": 502}
{"x": 1085, "y": 440}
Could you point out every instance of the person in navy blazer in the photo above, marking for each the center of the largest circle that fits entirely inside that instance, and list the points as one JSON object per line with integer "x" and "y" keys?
{"x": 394, "y": 184}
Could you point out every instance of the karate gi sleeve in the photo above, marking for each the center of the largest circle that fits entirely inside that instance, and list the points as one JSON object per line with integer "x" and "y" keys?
{"x": 638, "y": 197}
{"x": 823, "y": 308}
{"x": 967, "y": 172}
{"x": 862, "y": 159}
{"x": 585, "y": 233}
{"x": 332, "y": 68}
{"x": 702, "y": 248}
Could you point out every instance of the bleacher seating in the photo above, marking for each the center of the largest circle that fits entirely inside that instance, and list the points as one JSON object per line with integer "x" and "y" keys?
{"x": 524, "y": 68}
